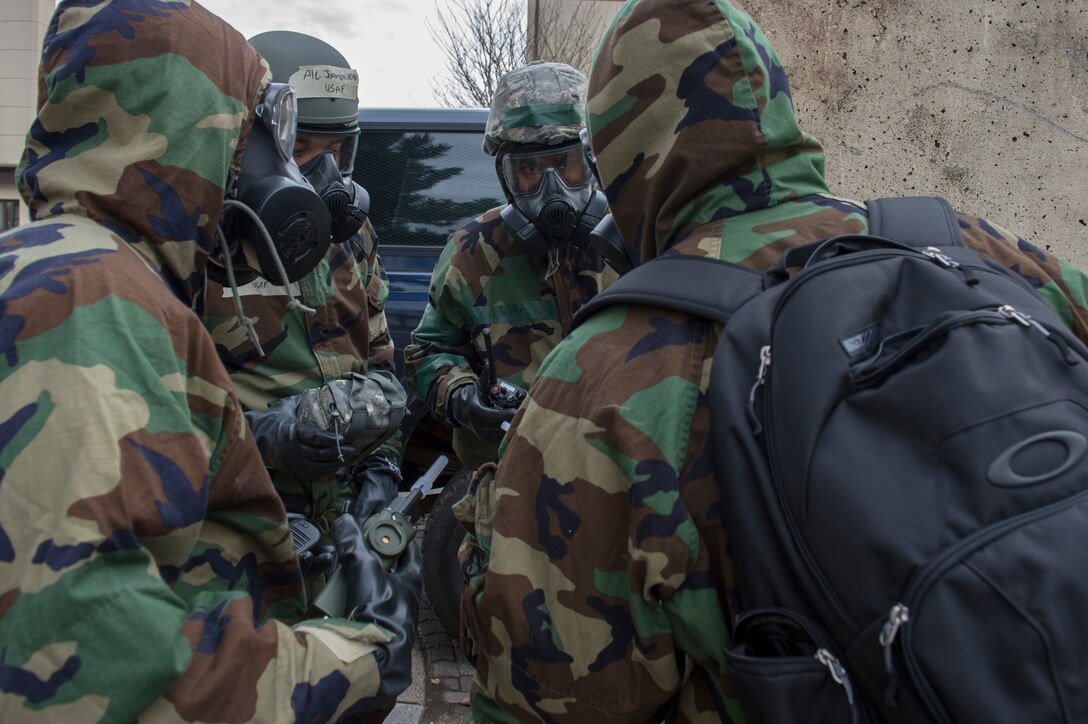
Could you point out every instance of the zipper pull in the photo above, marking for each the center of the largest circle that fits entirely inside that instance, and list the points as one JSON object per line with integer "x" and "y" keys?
{"x": 1025, "y": 319}
{"x": 761, "y": 378}
{"x": 764, "y": 363}
{"x": 838, "y": 673}
{"x": 949, "y": 263}
{"x": 940, "y": 257}
{"x": 1067, "y": 355}
{"x": 898, "y": 616}
{"x": 1009, "y": 311}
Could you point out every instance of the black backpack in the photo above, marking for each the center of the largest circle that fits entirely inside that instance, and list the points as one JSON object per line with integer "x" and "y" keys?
{"x": 901, "y": 431}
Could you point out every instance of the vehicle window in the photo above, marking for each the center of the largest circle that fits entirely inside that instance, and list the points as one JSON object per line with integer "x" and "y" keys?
{"x": 423, "y": 185}
{"x": 9, "y": 214}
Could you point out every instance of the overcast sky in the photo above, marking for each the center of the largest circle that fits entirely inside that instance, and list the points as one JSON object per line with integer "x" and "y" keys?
{"x": 385, "y": 40}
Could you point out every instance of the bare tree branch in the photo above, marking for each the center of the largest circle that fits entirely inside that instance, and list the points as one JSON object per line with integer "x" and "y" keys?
{"x": 566, "y": 32}
{"x": 482, "y": 40}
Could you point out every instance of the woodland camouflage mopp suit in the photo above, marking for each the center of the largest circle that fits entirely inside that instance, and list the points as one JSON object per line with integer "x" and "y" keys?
{"x": 488, "y": 278}
{"x": 599, "y": 588}
{"x": 344, "y": 332}
{"x": 146, "y": 567}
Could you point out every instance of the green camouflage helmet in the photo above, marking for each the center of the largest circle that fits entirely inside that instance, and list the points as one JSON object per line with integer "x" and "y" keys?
{"x": 537, "y": 103}
{"x": 327, "y": 89}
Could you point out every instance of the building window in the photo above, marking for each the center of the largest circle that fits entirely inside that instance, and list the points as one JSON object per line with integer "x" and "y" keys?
{"x": 9, "y": 214}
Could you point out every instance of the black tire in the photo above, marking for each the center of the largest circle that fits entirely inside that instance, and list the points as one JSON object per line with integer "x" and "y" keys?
{"x": 442, "y": 577}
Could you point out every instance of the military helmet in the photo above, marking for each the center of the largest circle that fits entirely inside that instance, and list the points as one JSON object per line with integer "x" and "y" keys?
{"x": 540, "y": 103}
{"x": 327, "y": 89}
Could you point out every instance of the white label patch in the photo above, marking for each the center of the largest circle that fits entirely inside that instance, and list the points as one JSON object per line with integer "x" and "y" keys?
{"x": 325, "y": 81}
{"x": 262, "y": 288}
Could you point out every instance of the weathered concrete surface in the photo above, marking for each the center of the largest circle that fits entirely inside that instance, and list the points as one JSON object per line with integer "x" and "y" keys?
{"x": 982, "y": 101}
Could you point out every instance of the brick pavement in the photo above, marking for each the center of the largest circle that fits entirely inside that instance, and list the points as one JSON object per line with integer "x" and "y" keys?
{"x": 441, "y": 677}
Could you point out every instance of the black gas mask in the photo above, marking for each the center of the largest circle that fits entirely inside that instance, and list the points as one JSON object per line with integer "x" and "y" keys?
{"x": 278, "y": 227}
{"x": 553, "y": 202}
{"x": 605, "y": 238}
{"x": 330, "y": 174}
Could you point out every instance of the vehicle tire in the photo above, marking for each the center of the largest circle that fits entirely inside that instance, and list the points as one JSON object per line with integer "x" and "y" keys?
{"x": 442, "y": 577}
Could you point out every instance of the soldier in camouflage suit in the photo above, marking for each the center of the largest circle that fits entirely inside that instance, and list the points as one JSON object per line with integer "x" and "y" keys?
{"x": 146, "y": 567}
{"x": 346, "y": 331}
{"x": 488, "y": 277}
{"x": 598, "y": 584}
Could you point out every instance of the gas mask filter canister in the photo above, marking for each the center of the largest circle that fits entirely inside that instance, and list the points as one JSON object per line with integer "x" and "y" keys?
{"x": 270, "y": 184}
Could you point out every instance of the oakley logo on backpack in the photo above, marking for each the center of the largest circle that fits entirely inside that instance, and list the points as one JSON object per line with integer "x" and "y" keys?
{"x": 1037, "y": 459}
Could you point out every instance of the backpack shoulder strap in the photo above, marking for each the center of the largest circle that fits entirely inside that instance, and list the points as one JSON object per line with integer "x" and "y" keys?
{"x": 920, "y": 221}
{"x": 700, "y": 286}
{"x": 715, "y": 289}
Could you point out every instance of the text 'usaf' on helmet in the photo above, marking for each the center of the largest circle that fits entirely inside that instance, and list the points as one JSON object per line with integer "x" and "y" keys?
{"x": 537, "y": 103}
{"x": 327, "y": 89}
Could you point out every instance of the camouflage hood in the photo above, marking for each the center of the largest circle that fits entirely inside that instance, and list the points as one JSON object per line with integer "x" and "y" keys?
{"x": 691, "y": 120}
{"x": 142, "y": 107}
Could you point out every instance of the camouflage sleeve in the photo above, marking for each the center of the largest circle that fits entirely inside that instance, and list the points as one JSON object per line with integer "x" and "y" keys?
{"x": 435, "y": 361}
{"x": 141, "y": 568}
{"x": 376, "y": 283}
{"x": 379, "y": 340}
{"x": 1062, "y": 286}
{"x": 590, "y": 579}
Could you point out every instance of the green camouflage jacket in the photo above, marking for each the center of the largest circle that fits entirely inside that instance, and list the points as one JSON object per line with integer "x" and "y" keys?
{"x": 348, "y": 333}
{"x": 146, "y": 568}
{"x": 485, "y": 279}
{"x": 598, "y": 582}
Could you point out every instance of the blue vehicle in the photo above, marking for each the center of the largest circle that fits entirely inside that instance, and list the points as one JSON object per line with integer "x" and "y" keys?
{"x": 427, "y": 175}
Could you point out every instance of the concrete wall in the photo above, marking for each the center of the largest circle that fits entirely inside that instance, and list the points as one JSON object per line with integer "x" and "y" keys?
{"x": 982, "y": 101}
{"x": 22, "y": 27}
{"x": 593, "y": 15}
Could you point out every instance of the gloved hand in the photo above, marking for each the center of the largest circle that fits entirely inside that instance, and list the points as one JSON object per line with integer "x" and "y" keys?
{"x": 377, "y": 478}
{"x": 390, "y": 600}
{"x": 317, "y": 560}
{"x": 295, "y": 447}
{"x": 470, "y": 408}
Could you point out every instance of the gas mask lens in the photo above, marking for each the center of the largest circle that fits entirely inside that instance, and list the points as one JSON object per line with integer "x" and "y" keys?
{"x": 524, "y": 171}
{"x": 278, "y": 111}
{"x": 341, "y": 143}
{"x": 346, "y": 157}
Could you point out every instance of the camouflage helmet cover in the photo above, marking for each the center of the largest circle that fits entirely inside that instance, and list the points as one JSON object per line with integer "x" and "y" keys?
{"x": 366, "y": 407}
{"x": 537, "y": 103}
{"x": 326, "y": 88}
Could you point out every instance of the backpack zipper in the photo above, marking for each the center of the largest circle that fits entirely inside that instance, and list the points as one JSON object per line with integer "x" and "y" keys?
{"x": 860, "y": 257}
{"x": 940, "y": 257}
{"x": 840, "y": 677}
{"x": 875, "y": 371}
{"x": 872, "y": 371}
{"x": 829, "y": 594}
{"x": 899, "y": 617}
{"x": 761, "y": 378}
{"x": 845, "y": 618}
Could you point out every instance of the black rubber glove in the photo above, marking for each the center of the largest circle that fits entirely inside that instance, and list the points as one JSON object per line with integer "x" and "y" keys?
{"x": 377, "y": 478}
{"x": 297, "y": 448}
{"x": 390, "y": 600}
{"x": 317, "y": 560}
{"x": 470, "y": 408}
